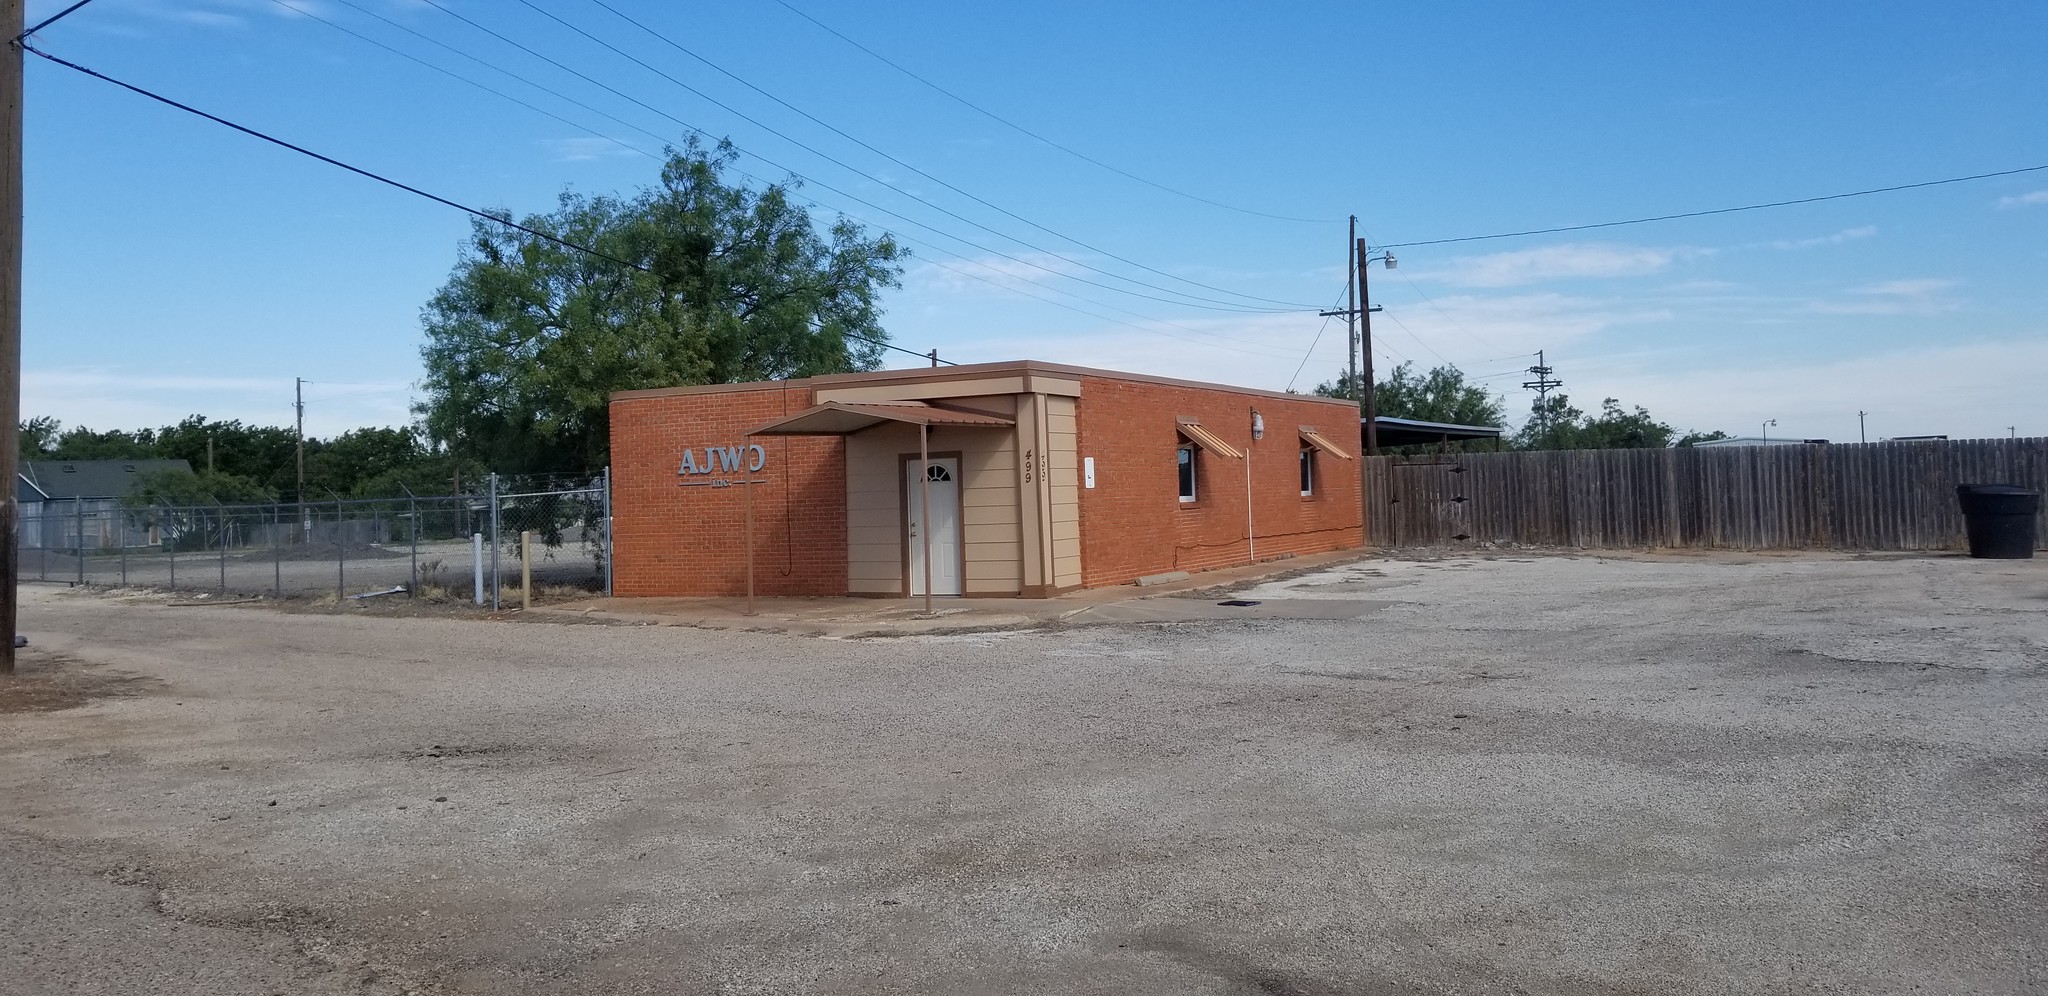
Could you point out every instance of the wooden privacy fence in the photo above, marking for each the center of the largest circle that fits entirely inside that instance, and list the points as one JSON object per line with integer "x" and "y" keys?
{"x": 1848, "y": 496}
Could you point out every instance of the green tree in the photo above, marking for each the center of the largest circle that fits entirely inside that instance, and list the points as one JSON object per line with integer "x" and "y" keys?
{"x": 38, "y": 437}
{"x": 1554, "y": 424}
{"x": 527, "y": 340}
{"x": 82, "y": 443}
{"x": 184, "y": 487}
{"x": 1441, "y": 395}
{"x": 346, "y": 463}
{"x": 1701, "y": 437}
{"x": 265, "y": 454}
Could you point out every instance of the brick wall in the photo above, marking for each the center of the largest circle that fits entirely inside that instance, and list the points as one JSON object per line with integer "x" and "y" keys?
{"x": 675, "y": 540}
{"x": 1133, "y": 522}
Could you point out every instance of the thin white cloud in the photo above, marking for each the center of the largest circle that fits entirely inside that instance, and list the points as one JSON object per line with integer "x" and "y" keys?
{"x": 105, "y": 398}
{"x": 1915, "y": 296}
{"x": 1967, "y": 389}
{"x": 2024, "y": 200}
{"x": 1845, "y": 235}
{"x": 955, "y": 276}
{"x": 586, "y": 148}
{"x": 1573, "y": 261}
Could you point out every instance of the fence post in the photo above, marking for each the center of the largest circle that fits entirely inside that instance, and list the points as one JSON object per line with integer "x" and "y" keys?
{"x": 223, "y": 544}
{"x": 526, "y": 568}
{"x": 476, "y": 567}
{"x": 494, "y": 542}
{"x": 412, "y": 506}
{"x": 172, "y": 546}
{"x": 607, "y": 532}
{"x": 340, "y": 557}
{"x": 78, "y": 514}
{"x": 276, "y": 551}
{"x": 121, "y": 540}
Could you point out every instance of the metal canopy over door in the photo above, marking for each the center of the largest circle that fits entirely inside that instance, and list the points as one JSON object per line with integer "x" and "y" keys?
{"x": 939, "y": 477}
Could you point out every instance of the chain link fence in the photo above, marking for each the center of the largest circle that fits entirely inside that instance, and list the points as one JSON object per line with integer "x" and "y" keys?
{"x": 447, "y": 547}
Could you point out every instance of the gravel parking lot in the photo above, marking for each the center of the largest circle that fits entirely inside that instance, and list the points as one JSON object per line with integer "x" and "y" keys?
{"x": 1522, "y": 774}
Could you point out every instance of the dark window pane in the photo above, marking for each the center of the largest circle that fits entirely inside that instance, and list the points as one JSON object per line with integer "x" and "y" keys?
{"x": 1187, "y": 473}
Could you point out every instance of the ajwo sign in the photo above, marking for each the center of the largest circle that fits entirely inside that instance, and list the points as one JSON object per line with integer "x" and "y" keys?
{"x": 721, "y": 458}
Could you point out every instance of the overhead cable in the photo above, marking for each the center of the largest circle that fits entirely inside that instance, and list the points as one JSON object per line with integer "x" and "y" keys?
{"x": 1715, "y": 211}
{"x": 814, "y": 119}
{"x": 408, "y": 188}
{"x": 804, "y": 198}
{"x": 1217, "y": 306}
{"x": 1014, "y": 126}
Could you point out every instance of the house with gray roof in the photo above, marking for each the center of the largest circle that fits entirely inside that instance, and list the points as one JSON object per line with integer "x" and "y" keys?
{"x": 76, "y": 504}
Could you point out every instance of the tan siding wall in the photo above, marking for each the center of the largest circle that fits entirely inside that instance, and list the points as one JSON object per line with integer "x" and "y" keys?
{"x": 1064, "y": 474}
{"x": 988, "y": 503}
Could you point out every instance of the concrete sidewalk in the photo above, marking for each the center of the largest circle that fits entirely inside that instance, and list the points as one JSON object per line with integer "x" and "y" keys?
{"x": 847, "y": 617}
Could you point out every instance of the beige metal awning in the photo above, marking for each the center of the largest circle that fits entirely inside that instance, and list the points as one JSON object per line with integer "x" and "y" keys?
{"x": 840, "y": 418}
{"x": 1208, "y": 440}
{"x": 1310, "y": 436}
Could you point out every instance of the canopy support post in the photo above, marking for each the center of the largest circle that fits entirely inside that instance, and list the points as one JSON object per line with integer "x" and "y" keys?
{"x": 924, "y": 502}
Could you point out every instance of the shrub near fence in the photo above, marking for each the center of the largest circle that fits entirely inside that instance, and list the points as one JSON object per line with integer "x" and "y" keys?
{"x": 1849, "y": 496}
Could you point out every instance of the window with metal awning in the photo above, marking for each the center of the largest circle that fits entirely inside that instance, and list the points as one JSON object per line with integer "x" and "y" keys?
{"x": 1197, "y": 434}
{"x": 1318, "y": 441}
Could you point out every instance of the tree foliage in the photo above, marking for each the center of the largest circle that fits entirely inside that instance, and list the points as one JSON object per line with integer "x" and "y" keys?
{"x": 260, "y": 462}
{"x": 1554, "y": 424}
{"x": 528, "y": 339}
{"x": 184, "y": 487}
{"x": 1441, "y": 395}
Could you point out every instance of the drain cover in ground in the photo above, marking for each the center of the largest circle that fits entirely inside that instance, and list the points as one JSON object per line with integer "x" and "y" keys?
{"x": 1240, "y": 603}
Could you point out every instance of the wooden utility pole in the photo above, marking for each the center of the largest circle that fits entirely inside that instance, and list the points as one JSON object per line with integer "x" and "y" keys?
{"x": 299, "y": 431}
{"x": 1372, "y": 434}
{"x": 1351, "y": 314}
{"x": 13, "y": 19}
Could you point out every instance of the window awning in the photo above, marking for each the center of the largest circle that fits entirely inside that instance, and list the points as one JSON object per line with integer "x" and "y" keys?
{"x": 840, "y": 418}
{"x": 1310, "y": 436}
{"x": 1208, "y": 440}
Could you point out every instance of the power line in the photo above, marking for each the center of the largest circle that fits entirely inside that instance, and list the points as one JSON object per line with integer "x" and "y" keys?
{"x": 1727, "y": 210}
{"x": 678, "y": 46}
{"x": 1418, "y": 339}
{"x": 408, "y": 188}
{"x": 812, "y": 202}
{"x": 288, "y": 5}
{"x": 1213, "y": 304}
{"x": 685, "y": 124}
{"x": 1319, "y": 338}
{"x": 1084, "y": 157}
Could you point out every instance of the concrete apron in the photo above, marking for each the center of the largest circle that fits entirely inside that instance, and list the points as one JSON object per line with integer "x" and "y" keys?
{"x": 1194, "y": 600}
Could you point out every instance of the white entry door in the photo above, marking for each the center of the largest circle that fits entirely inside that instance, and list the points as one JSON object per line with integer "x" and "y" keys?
{"x": 942, "y": 476}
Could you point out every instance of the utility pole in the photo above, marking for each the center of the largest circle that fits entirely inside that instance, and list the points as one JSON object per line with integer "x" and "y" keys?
{"x": 1372, "y": 432}
{"x": 1542, "y": 386}
{"x": 1351, "y": 311}
{"x": 13, "y": 19}
{"x": 1860, "y": 437}
{"x": 299, "y": 431}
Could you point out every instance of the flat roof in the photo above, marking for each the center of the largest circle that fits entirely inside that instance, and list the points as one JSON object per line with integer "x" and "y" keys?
{"x": 1411, "y": 431}
{"x": 964, "y": 371}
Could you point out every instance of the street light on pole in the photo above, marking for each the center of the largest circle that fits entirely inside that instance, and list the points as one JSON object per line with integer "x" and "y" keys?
{"x": 1767, "y": 430}
{"x": 1365, "y": 309}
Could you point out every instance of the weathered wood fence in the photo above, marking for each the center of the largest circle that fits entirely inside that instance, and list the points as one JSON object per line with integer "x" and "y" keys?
{"x": 1849, "y": 496}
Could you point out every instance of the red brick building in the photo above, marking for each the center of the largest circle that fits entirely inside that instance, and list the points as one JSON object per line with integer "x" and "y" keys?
{"x": 1041, "y": 478}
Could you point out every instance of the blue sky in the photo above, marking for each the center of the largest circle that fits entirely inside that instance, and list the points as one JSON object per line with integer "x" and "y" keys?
{"x": 175, "y": 267}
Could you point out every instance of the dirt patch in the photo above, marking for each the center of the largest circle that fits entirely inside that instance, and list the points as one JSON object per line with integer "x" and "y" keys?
{"x": 49, "y": 682}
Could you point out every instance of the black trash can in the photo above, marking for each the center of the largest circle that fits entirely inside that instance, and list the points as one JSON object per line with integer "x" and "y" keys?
{"x": 2000, "y": 519}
